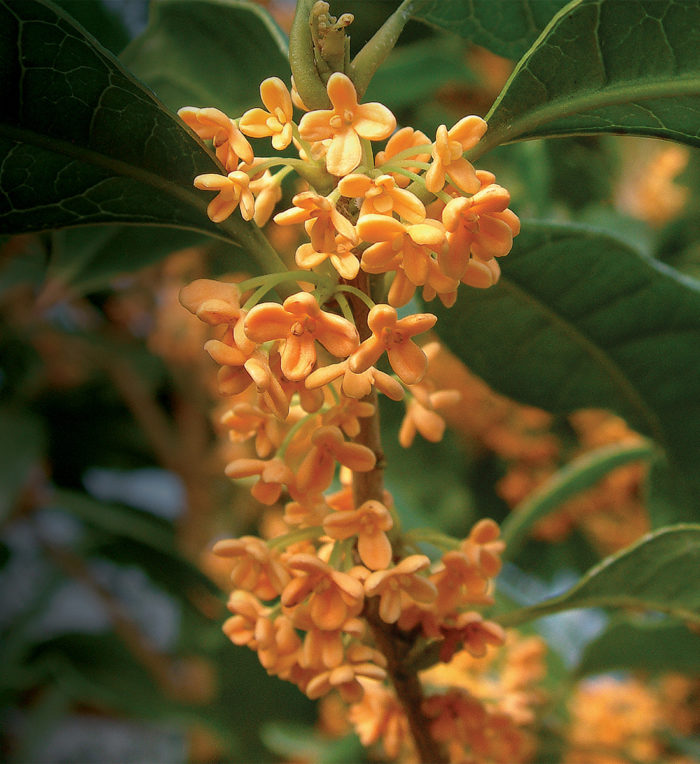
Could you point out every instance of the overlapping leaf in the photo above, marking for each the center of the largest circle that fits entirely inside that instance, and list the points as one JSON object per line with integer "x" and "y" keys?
{"x": 649, "y": 575}
{"x": 506, "y": 27}
{"x": 578, "y": 320}
{"x": 603, "y": 66}
{"x": 81, "y": 140}
{"x": 208, "y": 53}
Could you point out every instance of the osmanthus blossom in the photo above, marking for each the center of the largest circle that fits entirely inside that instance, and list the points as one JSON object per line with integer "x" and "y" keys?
{"x": 402, "y": 582}
{"x": 214, "y": 302}
{"x": 233, "y": 191}
{"x": 480, "y": 225}
{"x": 277, "y": 120}
{"x": 381, "y": 196}
{"x": 340, "y": 254}
{"x": 299, "y": 321}
{"x": 345, "y": 124}
{"x": 212, "y": 124}
{"x": 421, "y": 415}
{"x": 321, "y": 219}
{"x": 379, "y": 717}
{"x": 401, "y": 142}
{"x": 474, "y": 634}
{"x": 360, "y": 662}
{"x": 273, "y": 475}
{"x": 256, "y": 568}
{"x": 248, "y": 613}
{"x": 347, "y": 413}
{"x": 356, "y": 384}
{"x": 315, "y": 473}
{"x": 369, "y": 522}
{"x": 332, "y": 596}
{"x": 394, "y": 335}
{"x": 447, "y": 156}
{"x": 397, "y": 245}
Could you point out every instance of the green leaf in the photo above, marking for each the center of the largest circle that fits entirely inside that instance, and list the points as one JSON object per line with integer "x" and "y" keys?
{"x": 579, "y": 474}
{"x": 506, "y": 27}
{"x": 102, "y": 22}
{"x": 88, "y": 258}
{"x": 22, "y": 445}
{"x": 414, "y": 72}
{"x": 82, "y": 141}
{"x": 581, "y": 320}
{"x": 652, "y": 574}
{"x": 643, "y": 645}
{"x": 209, "y": 53}
{"x": 603, "y": 66}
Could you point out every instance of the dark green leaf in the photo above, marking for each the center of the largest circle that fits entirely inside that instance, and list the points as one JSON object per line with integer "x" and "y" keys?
{"x": 652, "y": 574}
{"x": 579, "y": 320}
{"x": 643, "y": 645}
{"x": 209, "y": 53}
{"x": 414, "y": 72}
{"x": 22, "y": 444}
{"x": 506, "y": 27}
{"x": 581, "y": 473}
{"x": 82, "y": 141}
{"x": 99, "y": 20}
{"x": 88, "y": 258}
{"x": 603, "y": 66}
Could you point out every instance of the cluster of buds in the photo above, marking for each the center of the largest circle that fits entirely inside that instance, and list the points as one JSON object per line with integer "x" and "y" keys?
{"x": 303, "y": 375}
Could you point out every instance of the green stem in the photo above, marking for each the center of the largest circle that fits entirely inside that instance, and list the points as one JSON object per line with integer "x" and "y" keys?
{"x": 304, "y": 534}
{"x": 375, "y": 50}
{"x": 430, "y": 536}
{"x": 357, "y": 292}
{"x": 307, "y": 80}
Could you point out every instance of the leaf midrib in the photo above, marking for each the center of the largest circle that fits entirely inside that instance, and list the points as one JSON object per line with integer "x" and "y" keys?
{"x": 628, "y": 391}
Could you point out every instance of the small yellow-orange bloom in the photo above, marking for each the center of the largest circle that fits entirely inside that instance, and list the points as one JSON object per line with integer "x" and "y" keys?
{"x": 233, "y": 191}
{"x": 345, "y": 124}
{"x": 369, "y": 523}
{"x": 401, "y": 581}
{"x": 212, "y": 124}
{"x": 299, "y": 321}
{"x": 394, "y": 335}
{"x": 277, "y": 120}
{"x": 447, "y": 156}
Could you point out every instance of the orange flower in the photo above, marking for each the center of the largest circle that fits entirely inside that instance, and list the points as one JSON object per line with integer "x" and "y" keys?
{"x": 345, "y": 124}
{"x": 256, "y": 569}
{"x": 277, "y": 120}
{"x": 380, "y": 717}
{"x": 343, "y": 259}
{"x": 246, "y": 421}
{"x": 212, "y": 124}
{"x": 360, "y": 661}
{"x": 233, "y": 191}
{"x": 273, "y": 475}
{"x": 403, "y": 579}
{"x": 484, "y": 547}
{"x": 321, "y": 220}
{"x": 458, "y": 582}
{"x": 279, "y": 646}
{"x": 472, "y": 632}
{"x": 333, "y": 597}
{"x": 369, "y": 524}
{"x": 381, "y": 196}
{"x": 421, "y": 415}
{"x": 214, "y": 302}
{"x": 347, "y": 415}
{"x": 356, "y": 385}
{"x": 401, "y": 142}
{"x": 324, "y": 649}
{"x": 394, "y": 335}
{"x": 299, "y": 321}
{"x": 480, "y": 225}
{"x": 315, "y": 473}
{"x": 447, "y": 156}
{"x": 249, "y": 615}
{"x": 267, "y": 191}
{"x": 399, "y": 245}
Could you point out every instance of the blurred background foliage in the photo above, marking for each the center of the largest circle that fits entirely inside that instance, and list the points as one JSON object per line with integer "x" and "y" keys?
{"x": 111, "y": 459}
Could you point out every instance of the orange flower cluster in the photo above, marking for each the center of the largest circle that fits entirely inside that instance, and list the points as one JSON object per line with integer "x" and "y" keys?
{"x": 302, "y": 378}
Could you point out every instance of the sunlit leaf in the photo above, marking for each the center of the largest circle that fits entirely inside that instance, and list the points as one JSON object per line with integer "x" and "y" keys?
{"x": 603, "y": 66}
{"x": 652, "y": 574}
{"x": 209, "y": 53}
{"x": 581, "y": 320}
